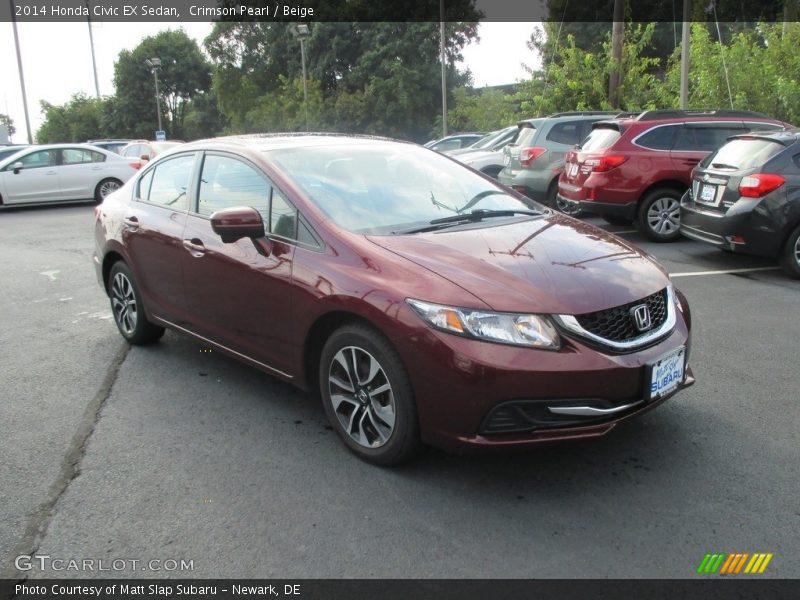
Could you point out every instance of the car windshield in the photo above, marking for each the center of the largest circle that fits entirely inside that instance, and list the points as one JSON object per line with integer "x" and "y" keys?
{"x": 743, "y": 154}
{"x": 378, "y": 188}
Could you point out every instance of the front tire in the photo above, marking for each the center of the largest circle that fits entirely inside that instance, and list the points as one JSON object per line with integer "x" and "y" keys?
{"x": 128, "y": 309}
{"x": 790, "y": 259}
{"x": 660, "y": 215}
{"x": 368, "y": 397}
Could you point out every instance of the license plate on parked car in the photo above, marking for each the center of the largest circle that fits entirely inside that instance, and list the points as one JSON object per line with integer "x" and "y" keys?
{"x": 708, "y": 194}
{"x": 506, "y": 160}
{"x": 665, "y": 374}
{"x": 572, "y": 170}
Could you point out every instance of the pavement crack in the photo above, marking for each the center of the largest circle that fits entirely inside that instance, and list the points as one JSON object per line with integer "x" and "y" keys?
{"x": 39, "y": 520}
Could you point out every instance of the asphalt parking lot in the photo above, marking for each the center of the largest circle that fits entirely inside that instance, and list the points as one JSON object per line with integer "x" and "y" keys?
{"x": 174, "y": 453}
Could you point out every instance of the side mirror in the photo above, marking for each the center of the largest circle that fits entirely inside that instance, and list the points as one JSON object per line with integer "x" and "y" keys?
{"x": 232, "y": 224}
{"x": 17, "y": 167}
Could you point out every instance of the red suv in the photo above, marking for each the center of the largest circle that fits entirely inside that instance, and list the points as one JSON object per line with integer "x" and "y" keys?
{"x": 636, "y": 169}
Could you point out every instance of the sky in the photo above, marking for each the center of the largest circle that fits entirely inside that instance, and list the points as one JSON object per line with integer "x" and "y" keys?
{"x": 57, "y": 61}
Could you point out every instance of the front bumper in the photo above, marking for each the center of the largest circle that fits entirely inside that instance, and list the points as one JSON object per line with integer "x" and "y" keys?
{"x": 460, "y": 384}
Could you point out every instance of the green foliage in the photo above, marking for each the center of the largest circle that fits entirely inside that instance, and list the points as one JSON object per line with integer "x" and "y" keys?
{"x": 184, "y": 74}
{"x": 763, "y": 69}
{"x": 577, "y": 79}
{"x": 78, "y": 120}
{"x": 8, "y": 122}
{"x": 379, "y": 77}
{"x": 485, "y": 110}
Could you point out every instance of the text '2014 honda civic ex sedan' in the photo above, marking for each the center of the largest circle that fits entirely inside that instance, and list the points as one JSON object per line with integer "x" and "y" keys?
{"x": 424, "y": 301}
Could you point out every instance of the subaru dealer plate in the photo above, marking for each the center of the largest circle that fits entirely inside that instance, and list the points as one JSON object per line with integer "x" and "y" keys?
{"x": 708, "y": 194}
{"x": 665, "y": 374}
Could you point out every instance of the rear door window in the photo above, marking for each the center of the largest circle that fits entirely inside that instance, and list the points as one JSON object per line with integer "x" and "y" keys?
{"x": 704, "y": 139}
{"x": 170, "y": 183}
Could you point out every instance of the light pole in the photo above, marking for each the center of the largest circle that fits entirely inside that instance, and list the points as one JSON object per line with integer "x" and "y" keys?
{"x": 302, "y": 33}
{"x": 155, "y": 65}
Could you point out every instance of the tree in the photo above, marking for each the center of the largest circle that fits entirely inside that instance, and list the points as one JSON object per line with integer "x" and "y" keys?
{"x": 576, "y": 79}
{"x": 78, "y": 120}
{"x": 184, "y": 74}
{"x": 764, "y": 53}
{"x": 8, "y": 123}
{"x": 484, "y": 110}
{"x": 378, "y": 77}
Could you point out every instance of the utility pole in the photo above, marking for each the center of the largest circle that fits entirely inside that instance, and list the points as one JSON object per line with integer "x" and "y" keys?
{"x": 617, "y": 38}
{"x": 686, "y": 35}
{"x": 443, "y": 59}
{"x": 21, "y": 75}
{"x": 91, "y": 45}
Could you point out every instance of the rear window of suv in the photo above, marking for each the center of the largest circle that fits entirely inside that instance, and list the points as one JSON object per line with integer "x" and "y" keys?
{"x": 600, "y": 138}
{"x": 743, "y": 154}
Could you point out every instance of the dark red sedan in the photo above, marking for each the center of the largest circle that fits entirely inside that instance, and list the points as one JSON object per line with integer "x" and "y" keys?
{"x": 426, "y": 302}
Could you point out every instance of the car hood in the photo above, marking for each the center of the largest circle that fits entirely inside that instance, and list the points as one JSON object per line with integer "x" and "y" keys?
{"x": 553, "y": 265}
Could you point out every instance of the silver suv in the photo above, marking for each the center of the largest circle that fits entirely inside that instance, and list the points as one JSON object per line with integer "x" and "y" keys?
{"x": 535, "y": 159}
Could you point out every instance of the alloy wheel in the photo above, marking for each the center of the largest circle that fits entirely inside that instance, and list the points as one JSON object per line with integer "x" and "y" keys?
{"x": 361, "y": 397}
{"x": 663, "y": 216}
{"x": 108, "y": 187}
{"x": 123, "y": 303}
{"x": 797, "y": 251}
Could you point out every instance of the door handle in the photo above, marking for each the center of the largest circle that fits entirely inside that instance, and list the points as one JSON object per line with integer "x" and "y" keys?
{"x": 131, "y": 223}
{"x": 195, "y": 247}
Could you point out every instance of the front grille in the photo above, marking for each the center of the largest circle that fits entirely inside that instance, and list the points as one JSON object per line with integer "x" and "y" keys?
{"x": 618, "y": 325}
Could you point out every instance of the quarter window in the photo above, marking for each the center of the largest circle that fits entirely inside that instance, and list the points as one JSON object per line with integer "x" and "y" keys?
{"x": 704, "y": 139}
{"x": 568, "y": 133}
{"x": 170, "y": 183}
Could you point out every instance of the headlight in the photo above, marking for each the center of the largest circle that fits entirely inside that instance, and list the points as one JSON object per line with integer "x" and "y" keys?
{"x": 534, "y": 331}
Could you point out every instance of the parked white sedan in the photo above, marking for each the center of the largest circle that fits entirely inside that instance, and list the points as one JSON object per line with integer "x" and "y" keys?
{"x": 62, "y": 173}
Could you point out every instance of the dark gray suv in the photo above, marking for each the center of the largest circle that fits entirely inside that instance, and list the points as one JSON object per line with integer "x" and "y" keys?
{"x": 535, "y": 159}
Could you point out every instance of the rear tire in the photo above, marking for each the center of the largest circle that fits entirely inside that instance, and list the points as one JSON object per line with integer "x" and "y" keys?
{"x": 790, "y": 258}
{"x": 660, "y": 215}
{"x": 128, "y": 308}
{"x": 368, "y": 396}
{"x": 566, "y": 208}
{"x": 106, "y": 187}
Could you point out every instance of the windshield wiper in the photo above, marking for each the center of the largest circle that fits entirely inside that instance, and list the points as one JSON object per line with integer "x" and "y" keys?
{"x": 474, "y": 216}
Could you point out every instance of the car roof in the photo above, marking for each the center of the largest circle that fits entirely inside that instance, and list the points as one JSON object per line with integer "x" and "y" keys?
{"x": 262, "y": 142}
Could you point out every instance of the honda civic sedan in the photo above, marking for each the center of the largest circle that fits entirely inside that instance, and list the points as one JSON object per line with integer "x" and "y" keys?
{"x": 61, "y": 173}
{"x": 424, "y": 302}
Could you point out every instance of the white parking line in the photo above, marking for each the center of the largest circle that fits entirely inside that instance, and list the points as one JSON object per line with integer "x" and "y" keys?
{"x": 623, "y": 231}
{"x": 725, "y": 272}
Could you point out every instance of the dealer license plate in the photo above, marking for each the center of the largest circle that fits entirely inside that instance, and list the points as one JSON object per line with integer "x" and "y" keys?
{"x": 572, "y": 170}
{"x": 666, "y": 374}
{"x": 708, "y": 193}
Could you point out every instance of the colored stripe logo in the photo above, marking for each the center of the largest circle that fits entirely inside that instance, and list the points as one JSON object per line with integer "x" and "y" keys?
{"x": 734, "y": 563}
